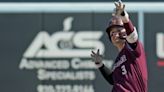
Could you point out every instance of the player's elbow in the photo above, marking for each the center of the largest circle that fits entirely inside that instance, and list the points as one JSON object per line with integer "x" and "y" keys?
{"x": 111, "y": 83}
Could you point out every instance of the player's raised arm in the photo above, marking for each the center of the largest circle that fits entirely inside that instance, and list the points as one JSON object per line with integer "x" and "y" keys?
{"x": 132, "y": 35}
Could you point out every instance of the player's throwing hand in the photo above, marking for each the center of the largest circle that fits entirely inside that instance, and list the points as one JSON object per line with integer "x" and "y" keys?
{"x": 97, "y": 58}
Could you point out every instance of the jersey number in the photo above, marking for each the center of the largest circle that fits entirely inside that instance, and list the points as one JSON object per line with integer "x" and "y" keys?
{"x": 123, "y": 70}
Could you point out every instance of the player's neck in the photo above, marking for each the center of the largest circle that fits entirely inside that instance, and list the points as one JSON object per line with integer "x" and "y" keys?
{"x": 120, "y": 46}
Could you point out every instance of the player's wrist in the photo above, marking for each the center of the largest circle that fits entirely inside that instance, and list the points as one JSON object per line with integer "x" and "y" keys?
{"x": 99, "y": 65}
{"x": 125, "y": 17}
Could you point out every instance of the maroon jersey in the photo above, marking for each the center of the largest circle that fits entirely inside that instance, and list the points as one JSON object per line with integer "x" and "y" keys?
{"x": 130, "y": 70}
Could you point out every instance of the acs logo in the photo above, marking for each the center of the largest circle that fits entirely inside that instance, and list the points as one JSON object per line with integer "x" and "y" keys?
{"x": 65, "y": 44}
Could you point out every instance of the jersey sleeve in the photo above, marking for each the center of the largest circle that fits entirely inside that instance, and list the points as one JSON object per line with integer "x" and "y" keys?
{"x": 132, "y": 38}
{"x": 107, "y": 74}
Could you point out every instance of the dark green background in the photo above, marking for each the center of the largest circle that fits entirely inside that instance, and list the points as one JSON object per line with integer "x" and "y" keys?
{"x": 18, "y": 30}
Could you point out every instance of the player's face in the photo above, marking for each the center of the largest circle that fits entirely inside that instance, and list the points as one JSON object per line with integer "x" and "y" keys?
{"x": 115, "y": 35}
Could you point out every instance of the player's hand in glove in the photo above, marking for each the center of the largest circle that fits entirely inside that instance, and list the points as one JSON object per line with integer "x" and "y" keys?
{"x": 120, "y": 11}
{"x": 97, "y": 58}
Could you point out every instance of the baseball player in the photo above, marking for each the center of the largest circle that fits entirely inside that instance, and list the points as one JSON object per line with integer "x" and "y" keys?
{"x": 129, "y": 72}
